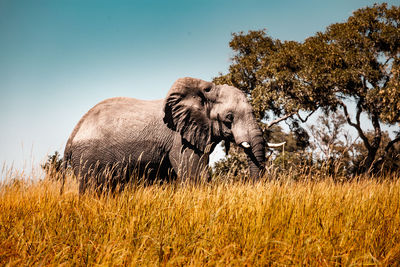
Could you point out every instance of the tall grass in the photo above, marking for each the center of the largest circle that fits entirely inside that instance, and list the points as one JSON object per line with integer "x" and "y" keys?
{"x": 222, "y": 223}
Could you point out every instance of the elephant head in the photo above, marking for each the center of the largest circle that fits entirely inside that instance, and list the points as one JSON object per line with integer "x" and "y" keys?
{"x": 205, "y": 113}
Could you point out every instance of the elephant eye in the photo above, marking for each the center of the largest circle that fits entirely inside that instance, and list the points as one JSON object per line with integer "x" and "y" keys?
{"x": 229, "y": 117}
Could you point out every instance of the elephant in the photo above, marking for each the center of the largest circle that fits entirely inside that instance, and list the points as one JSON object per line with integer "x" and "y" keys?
{"x": 171, "y": 137}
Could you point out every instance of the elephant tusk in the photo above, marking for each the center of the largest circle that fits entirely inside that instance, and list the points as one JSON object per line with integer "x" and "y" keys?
{"x": 245, "y": 145}
{"x": 276, "y": 145}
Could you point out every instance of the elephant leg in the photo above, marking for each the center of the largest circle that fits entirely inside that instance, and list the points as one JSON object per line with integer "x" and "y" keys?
{"x": 189, "y": 164}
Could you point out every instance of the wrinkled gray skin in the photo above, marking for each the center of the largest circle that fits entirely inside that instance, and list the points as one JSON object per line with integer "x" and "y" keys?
{"x": 161, "y": 138}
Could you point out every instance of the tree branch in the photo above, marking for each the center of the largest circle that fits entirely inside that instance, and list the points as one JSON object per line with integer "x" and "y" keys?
{"x": 391, "y": 144}
{"x": 387, "y": 61}
{"x": 280, "y": 119}
{"x": 346, "y": 114}
{"x": 304, "y": 120}
{"x": 386, "y": 151}
{"x": 358, "y": 115}
{"x": 356, "y": 125}
{"x": 377, "y": 130}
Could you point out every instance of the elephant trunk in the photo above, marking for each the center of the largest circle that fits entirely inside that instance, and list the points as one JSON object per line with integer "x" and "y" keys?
{"x": 249, "y": 136}
{"x": 256, "y": 152}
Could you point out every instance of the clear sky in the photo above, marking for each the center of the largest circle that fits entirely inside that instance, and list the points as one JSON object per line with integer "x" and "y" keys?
{"x": 58, "y": 58}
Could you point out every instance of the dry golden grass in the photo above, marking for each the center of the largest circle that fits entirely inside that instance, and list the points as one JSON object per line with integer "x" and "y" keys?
{"x": 267, "y": 223}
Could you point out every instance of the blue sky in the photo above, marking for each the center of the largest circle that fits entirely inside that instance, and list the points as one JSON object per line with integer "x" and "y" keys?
{"x": 58, "y": 58}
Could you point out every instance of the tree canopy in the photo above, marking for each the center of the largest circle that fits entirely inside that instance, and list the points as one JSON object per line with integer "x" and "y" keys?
{"x": 353, "y": 65}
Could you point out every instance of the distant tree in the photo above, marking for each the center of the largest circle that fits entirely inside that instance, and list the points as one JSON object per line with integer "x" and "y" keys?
{"x": 327, "y": 135}
{"x": 294, "y": 154}
{"x": 233, "y": 165}
{"x": 53, "y": 164}
{"x": 354, "y": 61}
{"x": 331, "y": 143}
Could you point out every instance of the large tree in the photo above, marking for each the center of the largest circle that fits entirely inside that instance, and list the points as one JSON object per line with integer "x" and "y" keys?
{"x": 357, "y": 61}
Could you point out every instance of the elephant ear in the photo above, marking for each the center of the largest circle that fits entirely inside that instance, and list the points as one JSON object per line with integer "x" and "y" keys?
{"x": 185, "y": 111}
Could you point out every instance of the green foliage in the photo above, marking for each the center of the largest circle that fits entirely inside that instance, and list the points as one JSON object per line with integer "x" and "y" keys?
{"x": 357, "y": 60}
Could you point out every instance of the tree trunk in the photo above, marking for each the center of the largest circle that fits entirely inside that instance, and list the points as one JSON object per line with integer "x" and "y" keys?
{"x": 373, "y": 147}
{"x": 366, "y": 165}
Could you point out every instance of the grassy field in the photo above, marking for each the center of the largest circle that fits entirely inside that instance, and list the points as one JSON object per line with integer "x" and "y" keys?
{"x": 320, "y": 223}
